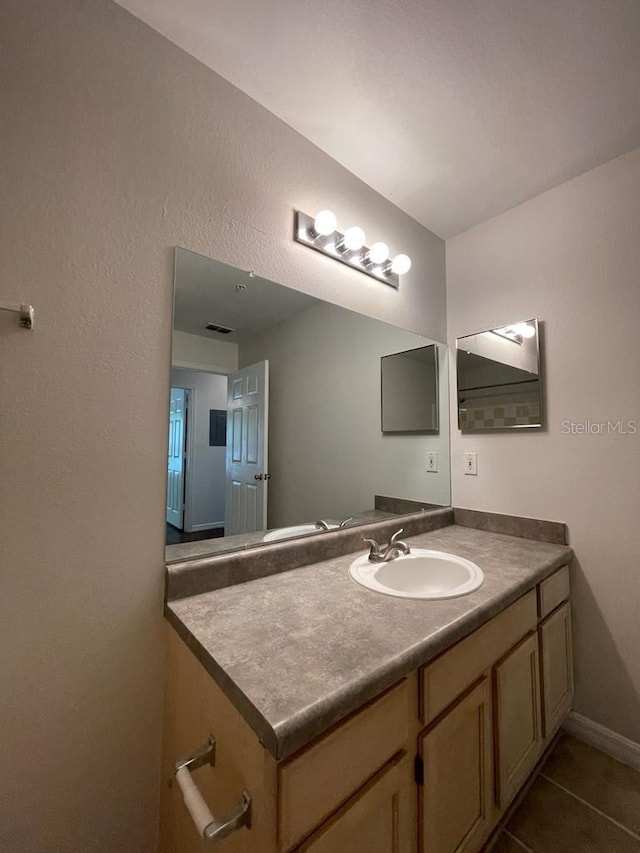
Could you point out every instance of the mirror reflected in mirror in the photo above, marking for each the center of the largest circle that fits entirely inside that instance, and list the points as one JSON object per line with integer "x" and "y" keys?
{"x": 297, "y": 380}
{"x": 409, "y": 382}
{"x": 499, "y": 382}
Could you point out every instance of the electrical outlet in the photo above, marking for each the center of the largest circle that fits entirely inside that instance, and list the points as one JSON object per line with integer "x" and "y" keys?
{"x": 471, "y": 464}
{"x": 432, "y": 462}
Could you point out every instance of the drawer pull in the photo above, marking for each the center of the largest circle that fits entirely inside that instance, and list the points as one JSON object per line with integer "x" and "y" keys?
{"x": 209, "y": 827}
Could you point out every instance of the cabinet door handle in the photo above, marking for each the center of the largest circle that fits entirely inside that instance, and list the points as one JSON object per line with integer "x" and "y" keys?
{"x": 209, "y": 827}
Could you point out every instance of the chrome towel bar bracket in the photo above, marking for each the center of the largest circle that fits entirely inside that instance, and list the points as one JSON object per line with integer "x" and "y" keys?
{"x": 25, "y": 311}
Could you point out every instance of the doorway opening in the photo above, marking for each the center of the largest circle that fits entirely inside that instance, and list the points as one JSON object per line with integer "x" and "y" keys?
{"x": 196, "y": 460}
{"x": 217, "y": 460}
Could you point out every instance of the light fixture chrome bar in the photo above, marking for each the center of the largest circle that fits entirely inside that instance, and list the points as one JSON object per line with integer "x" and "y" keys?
{"x": 25, "y": 311}
{"x": 304, "y": 233}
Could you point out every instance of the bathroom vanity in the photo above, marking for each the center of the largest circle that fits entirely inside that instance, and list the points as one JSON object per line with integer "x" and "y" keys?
{"x": 356, "y": 721}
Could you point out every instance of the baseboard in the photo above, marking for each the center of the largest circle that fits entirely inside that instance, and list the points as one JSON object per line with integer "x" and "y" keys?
{"x": 617, "y": 746}
{"x": 215, "y": 526}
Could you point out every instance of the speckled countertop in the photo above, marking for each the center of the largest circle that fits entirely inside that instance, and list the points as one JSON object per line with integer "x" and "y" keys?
{"x": 298, "y": 651}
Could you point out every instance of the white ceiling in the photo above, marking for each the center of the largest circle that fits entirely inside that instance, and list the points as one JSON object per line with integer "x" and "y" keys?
{"x": 455, "y": 110}
{"x": 208, "y": 291}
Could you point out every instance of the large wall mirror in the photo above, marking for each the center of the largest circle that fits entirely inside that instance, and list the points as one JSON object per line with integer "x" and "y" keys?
{"x": 275, "y": 414}
{"x": 499, "y": 378}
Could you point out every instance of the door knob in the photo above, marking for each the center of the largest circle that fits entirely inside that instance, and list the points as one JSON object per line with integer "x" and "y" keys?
{"x": 262, "y": 476}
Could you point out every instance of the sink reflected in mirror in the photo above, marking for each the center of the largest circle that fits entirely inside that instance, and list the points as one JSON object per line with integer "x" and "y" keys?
{"x": 276, "y": 414}
{"x": 420, "y": 574}
{"x": 296, "y": 530}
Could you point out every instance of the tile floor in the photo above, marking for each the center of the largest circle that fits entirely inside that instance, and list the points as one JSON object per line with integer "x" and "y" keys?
{"x": 583, "y": 801}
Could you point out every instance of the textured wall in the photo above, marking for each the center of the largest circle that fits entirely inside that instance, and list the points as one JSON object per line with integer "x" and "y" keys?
{"x": 115, "y": 147}
{"x": 571, "y": 258}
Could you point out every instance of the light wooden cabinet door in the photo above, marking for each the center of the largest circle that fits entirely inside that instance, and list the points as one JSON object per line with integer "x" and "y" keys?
{"x": 378, "y": 819}
{"x": 456, "y": 798}
{"x": 517, "y": 717}
{"x": 557, "y": 668}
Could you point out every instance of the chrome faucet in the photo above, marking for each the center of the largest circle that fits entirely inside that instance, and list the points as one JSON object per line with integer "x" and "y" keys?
{"x": 392, "y": 550}
{"x": 326, "y": 525}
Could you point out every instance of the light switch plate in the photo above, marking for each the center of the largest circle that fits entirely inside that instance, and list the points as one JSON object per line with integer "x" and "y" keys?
{"x": 432, "y": 462}
{"x": 471, "y": 464}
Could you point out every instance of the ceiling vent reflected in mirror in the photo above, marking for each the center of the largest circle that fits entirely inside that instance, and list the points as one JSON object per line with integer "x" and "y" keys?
{"x": 221, "y": 330}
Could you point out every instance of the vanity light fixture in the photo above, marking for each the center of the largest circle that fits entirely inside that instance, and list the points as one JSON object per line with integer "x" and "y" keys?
{"x": 352, "y": 241}
{"x": 377, "y": 254}
{"x": 524, "y": 330}
{"x": 516, "y": 333}
{"x": 324, "y": 224}
{"x": 401, "y": 264}
{"x": 320, "y": 233}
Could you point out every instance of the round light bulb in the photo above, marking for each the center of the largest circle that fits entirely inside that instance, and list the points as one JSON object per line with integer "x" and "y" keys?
{"x": 378, "y": 253}
{"x": 401, "y": 264}
{"x": 524, "y": 330}
{"x": 325, "y": 223}
{"x": 353, "y": 238}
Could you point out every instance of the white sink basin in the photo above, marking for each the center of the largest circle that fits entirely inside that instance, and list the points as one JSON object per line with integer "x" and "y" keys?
{"x": 295, "y": 530}
{"x": 420, "y": 574}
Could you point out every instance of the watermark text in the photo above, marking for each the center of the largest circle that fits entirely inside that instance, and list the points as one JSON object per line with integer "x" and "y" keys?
{"x": 609, "y": 427}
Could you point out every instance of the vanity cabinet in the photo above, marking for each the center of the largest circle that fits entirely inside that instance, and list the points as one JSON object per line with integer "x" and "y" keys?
{"x": 491, "y": 705}
{"x": 557, "y": 667}
{"x": 350, "y": 790}
{"x": 457, "y": 760}
{"x": 314, "y": 782}
{"x": 464, "y": 733}
{"x": 378, "y": 819}
{"x": 517, "y": 717}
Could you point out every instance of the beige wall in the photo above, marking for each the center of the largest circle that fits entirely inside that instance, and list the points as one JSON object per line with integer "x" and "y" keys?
{"x": 194, "y": 352}
{"x": 327, "y": 454}
{"x": 115, "y": 147}
{"x": 572, "y": 258}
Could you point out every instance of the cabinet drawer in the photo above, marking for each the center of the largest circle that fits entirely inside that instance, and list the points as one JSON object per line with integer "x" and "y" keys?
{"x": 450, "y": 674}
{"x": 553, "y": 591}
{"x": 379, "y": 819}
{"x": 314, "y": 783}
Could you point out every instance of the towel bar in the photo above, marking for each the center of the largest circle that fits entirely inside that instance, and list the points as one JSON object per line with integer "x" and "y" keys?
{"x": 209, "y": 827}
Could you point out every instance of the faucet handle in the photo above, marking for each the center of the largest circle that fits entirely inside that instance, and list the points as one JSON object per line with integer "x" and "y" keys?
{"x": 395, "y": 542}
{"x": 374, "y": 550}
{"x": 344, "y": 523}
